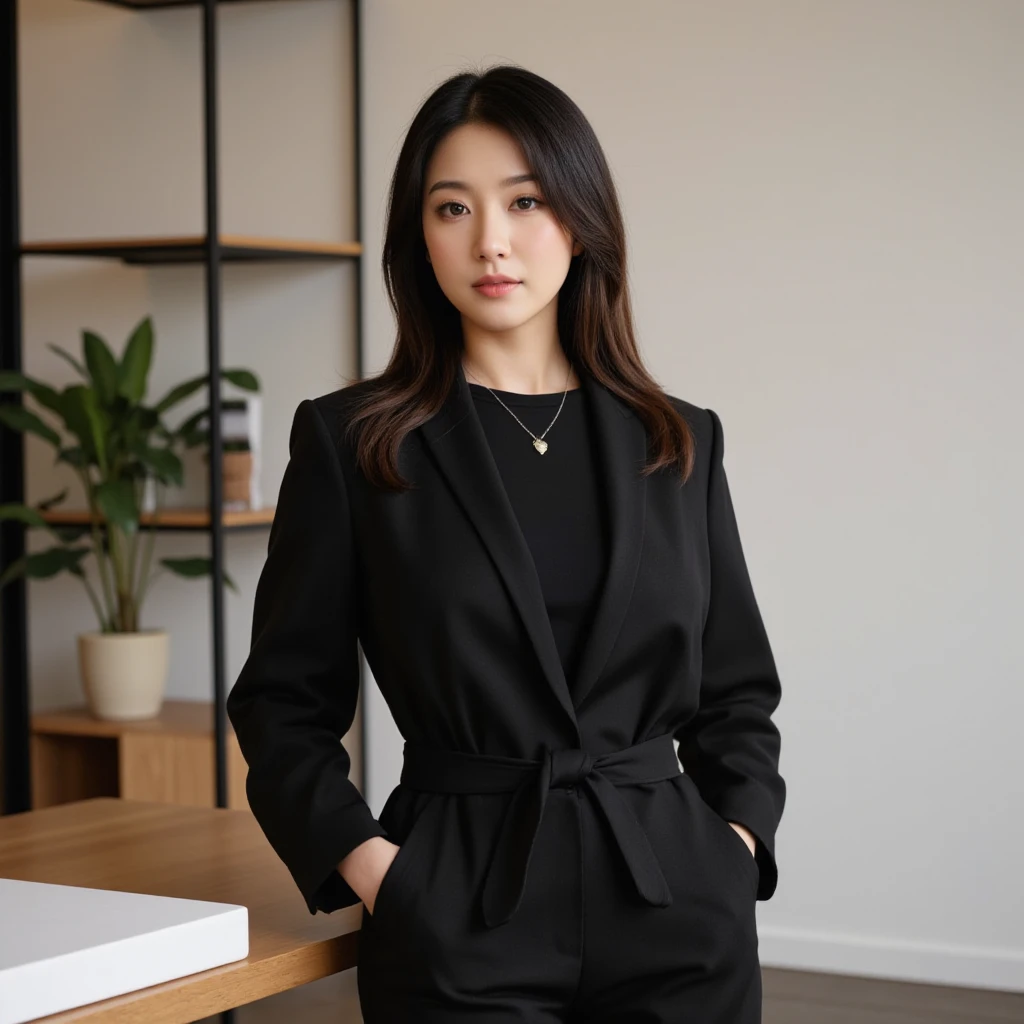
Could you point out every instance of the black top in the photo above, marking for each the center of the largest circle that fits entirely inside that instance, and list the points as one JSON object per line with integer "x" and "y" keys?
{"x": 558, "y": 500}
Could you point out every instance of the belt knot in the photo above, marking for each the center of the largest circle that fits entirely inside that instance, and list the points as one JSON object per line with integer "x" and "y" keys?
{"x": 528, "y": 782}
{"x": 569, "y": 767}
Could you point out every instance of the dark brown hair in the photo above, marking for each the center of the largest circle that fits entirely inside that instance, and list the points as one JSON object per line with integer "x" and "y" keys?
{"x": 595, "y": 322}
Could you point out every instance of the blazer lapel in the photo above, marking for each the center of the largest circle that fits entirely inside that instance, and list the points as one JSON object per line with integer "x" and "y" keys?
{"x": 621, "y": 446}
{"x": 456, "y": 441}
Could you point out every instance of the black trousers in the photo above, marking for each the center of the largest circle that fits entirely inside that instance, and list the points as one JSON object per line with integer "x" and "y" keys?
{"x": 570, "y": 906}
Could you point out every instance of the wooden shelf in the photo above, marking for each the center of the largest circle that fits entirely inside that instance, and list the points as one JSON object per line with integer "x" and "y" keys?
{"x": 176, "y": 718}
{"x": 146, "y": 5}
{"x": 190, "y": 249}
{"x": 176, "y": 519}
{"x": 168, "y": 759}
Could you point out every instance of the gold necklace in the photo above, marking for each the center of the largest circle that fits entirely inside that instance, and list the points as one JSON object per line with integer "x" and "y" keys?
{"x": 538, "y": 442}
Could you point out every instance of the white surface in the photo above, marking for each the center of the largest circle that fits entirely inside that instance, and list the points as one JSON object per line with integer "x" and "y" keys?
{"x": 63, "y": 946}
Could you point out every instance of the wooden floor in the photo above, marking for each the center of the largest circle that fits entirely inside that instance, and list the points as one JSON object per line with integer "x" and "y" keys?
{"x": 804, "y": 997}
{"x": 790, "y": 997}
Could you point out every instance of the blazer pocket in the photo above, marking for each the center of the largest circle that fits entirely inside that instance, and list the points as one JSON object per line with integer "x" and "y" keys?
{"x": 733, "y": 839}
{"x": 389, "y": 889}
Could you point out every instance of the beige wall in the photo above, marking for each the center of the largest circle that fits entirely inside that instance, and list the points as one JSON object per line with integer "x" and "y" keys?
{"x": 824, "y": 213}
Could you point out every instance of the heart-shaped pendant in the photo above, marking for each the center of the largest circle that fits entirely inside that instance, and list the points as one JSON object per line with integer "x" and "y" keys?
{"x": 540, "y": 444}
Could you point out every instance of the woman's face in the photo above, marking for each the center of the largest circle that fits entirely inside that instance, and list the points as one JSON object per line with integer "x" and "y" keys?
{"x": 476, "y": 221}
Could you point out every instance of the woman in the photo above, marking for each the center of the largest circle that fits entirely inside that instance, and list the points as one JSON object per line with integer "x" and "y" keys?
{"x": 537, "y": 550}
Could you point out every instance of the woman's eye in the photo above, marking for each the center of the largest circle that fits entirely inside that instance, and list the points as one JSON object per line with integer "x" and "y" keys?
{"x": 521, "y": 199}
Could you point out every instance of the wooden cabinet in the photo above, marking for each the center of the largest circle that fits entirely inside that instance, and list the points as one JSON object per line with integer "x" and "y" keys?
{"x": 168, "y": 759}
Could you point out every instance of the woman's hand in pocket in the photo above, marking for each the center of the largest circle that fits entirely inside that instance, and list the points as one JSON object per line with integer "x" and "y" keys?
{"x": 746, "y": 835}
{"x": 364, "y": 868}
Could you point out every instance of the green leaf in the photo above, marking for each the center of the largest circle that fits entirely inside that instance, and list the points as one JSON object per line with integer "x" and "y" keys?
{"x": 163, "y": 463}
{"x": 190, "y": 433}
{"x": 87, "y": 421}
{"x": 17, "y": 417}
{"x": 196, "y": 439}
{"x": 102, "y": 366}
{"x": 193, "y": 568}
{"x": 44, "y": 564}
{"x": 66, "y": 534}
{"x": 244, "y": 379}
{"x": 71, "y": 359}
{"x": 179, "y": 393}
{"x": 135, "y": 424}
{"x": 145, "y": 418}
{"x": 70, "y": 534}
{"x": 31, "y": 518}
{"x": 23, "y": 513}
{"x": 194, "y": 420}
{"x": 73, "y": 457}
{"x": 47, "y": 503}
{"x": 42, "y": 393}
{"x": 135, "y": 362}
{"x": 116, "y": 500}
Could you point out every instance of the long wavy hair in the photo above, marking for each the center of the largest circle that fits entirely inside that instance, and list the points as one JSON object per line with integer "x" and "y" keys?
{"x": 595, "y": 322}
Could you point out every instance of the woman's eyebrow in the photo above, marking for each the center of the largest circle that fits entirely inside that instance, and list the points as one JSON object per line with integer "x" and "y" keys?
{"x": 516, "y": 179}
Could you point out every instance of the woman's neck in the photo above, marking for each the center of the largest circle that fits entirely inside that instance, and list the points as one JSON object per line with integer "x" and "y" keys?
{"x": 521, "y": 379}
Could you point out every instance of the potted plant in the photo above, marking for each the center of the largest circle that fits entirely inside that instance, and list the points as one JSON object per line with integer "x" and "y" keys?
{"x": 118, "y": 444}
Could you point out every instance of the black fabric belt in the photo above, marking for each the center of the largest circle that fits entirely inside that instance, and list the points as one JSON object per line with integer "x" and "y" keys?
{"x": 448, "y": 771}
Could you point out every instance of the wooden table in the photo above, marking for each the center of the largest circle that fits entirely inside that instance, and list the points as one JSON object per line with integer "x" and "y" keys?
{"x": 195, "y": 853}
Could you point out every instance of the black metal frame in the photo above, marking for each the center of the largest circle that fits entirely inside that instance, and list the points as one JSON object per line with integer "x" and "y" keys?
{"x": 13, "y": 613}
{"x": 15, "y": 694}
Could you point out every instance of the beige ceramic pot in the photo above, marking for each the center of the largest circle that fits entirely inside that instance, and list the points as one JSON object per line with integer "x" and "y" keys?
{"x": 124, "y": 675}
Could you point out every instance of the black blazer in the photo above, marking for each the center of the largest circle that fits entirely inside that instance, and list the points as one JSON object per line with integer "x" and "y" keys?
{"x": 439, "y": 587}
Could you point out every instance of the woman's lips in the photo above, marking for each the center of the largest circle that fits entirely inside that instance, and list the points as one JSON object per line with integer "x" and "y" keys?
{"x": 495, "y": 290}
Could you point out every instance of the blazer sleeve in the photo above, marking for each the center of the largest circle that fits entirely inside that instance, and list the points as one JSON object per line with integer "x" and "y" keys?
{"x": 296, "y": 694}
{"x": 731, "y": 746}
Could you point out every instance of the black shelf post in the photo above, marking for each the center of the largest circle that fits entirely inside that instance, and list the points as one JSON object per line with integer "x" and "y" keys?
{"x": 14, "y": 693}
{"x": 213, "y": 325}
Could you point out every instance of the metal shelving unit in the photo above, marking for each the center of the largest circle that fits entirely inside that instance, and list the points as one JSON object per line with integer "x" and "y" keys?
{"x": 211, "y": 249}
